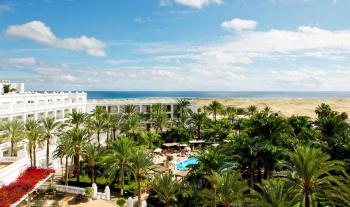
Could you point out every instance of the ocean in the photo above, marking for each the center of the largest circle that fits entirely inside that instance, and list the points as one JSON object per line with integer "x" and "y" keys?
{"x": 215, "y": 94}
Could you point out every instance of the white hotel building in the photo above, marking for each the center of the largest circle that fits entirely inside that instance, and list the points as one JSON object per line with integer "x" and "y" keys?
{"x": 21, "y": 105}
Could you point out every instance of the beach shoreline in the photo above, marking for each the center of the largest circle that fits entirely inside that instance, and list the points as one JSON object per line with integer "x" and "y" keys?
{"x": 285, "y": 106}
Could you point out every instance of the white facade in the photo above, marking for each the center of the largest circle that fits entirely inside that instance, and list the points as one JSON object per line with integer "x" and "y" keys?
{"x": 144, "y": 107}
{"x": 37, "y": 106}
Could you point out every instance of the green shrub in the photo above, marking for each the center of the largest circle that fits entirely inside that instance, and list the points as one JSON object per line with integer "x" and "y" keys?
{"x": 89, "y": 191}
{"x": 121, "y": 202}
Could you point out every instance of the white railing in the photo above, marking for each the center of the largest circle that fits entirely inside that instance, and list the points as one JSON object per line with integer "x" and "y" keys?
{"x": 37, "y": 186}
{"x": 9, "y": 159}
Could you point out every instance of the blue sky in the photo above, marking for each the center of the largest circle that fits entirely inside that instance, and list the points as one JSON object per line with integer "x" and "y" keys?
{"x": 283, "y": 45}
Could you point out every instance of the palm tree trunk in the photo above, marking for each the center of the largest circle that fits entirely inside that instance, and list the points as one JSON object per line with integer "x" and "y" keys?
{"x": 114, "y": 130}
{"x": 122, "y": 184}
{"x": 98, "y": 137}
{"x": 34, "y": 155}
{"x": 77, "y": 164}
{"x": 138, "y": 191}
{"x": 107, "y": 135}
{"x": 66, "y": 178}
{"x": 12, "y": 147}
{"x": 93, "y": 177}
{"x": 307, "y": 199}
{"x": 48, "y": 150}
{"x": 251, "y": 177}
{"x": 213, "y": 202}
{"x": 199, "y": 131}
{"x": 30, "y": 155}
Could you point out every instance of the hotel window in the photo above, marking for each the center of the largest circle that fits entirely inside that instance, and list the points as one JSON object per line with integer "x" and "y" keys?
{"x": 30, "y": 101}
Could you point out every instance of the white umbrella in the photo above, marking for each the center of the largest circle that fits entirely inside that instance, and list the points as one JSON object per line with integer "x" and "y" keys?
{"x": 187, "y": 149}
{"x": 158, "y": 150}
{"x": 215, "y": 145}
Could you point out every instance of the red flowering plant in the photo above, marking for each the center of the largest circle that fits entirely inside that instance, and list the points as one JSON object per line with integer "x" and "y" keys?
{"x": 13, "y": 192}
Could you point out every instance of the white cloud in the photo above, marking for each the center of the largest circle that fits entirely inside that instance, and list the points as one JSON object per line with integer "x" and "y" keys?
{"x": 5, "y": 8}
{"x": 239, "y": 25}
{"x": 164, "y": 2}
{"x": 22, "y": 61}
{"x": 39, "y": 32}
{"x": 55, "y": 73}
{"x": 198, "y": 4}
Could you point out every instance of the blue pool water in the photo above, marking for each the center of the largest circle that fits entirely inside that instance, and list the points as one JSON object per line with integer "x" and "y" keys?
{"x": 183, "y": 165}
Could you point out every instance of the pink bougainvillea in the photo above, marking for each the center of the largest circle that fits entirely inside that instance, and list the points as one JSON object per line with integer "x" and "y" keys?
{"x": 11, "y": 193}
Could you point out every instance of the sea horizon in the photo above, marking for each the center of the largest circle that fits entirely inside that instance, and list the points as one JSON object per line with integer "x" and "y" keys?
{"x": 216, "y": 94}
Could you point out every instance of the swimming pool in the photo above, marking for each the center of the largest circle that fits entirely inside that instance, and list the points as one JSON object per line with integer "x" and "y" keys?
{"x": 183, "y": 164}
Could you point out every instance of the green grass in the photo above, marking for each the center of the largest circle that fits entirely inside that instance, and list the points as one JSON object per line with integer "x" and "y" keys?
{"x": 86, "y": 179}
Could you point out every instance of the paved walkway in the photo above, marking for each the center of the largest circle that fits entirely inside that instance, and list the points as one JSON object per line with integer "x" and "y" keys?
{"x": 68, "y": 201}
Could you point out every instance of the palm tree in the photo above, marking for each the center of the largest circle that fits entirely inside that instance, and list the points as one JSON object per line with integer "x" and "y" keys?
{"x": 183, "y": 110}
{"x": 231, "y": 113}
{"x": 14, "y": 131}
{"x": 275, "y": 193}
{"x": 115, "y": 124}
{"x": 50, "y": 126}
{"x": 139, "y": 164}
{"x": 77, "y": 119}
{"x": 64, "y": 149}
{"x": 98, "y": 125}
{"x": 117, "y": 159}
{"x": 215, "y": 108}
{"x": 213, "y": 160}
{"x": 227, "y": 188}
{"x": 128, "y": 111}
{"x": 92, "y": 155}
{"x": 198, "y": 119}
{"x": 80, "y": 137}
{"x": 159, "y": 117}
{"x": 131, "y": 126}
{"x": 252, "y": 109}
{"x": 166, "y": 188}
{"x": 34, "y": 133}
{"x": 310, "y": 170}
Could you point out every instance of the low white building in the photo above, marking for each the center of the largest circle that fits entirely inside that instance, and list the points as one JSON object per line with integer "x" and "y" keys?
{"x": 142, "y": 105}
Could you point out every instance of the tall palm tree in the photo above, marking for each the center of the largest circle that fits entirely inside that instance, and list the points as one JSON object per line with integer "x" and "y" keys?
{"x": 128, "y": 111}
{"x": 64, "y": 150}
{"x": 310, "y": 170}
{"x": 198, "y": 119}
{"x": 80, "y": 137}
{"x": 252, "y": 109}
{"x": 131, "y": 126}
{"x": 50, "y": 126}
{"x": 275, "y": 193}
{"x": 92, "y": 155}
{"x": 77, "y": 119}
{"x": 213, "y": 160}
{"x": 116, "y": 120}
{"x": 159, "y": 117}
{"x": 14, "y": 131}
{"x": 183, "y": 109}
{"x": 227, "y": 188}
{"x": 215, "y": 108}
{"x": 231, "y": 113}
{"x": 98, "y": 125}
{"x": 166, "y": 188}
{"x": 34, "y": 133}
{"x": 139, "y": 164}
{"x": 117, "y": 159}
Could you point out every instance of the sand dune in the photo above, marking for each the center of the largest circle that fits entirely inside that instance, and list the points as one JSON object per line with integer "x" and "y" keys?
{"x": 286, "y": 107}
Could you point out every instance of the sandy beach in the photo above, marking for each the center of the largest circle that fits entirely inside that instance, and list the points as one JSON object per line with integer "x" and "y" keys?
{"x": 285, "y": 106}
